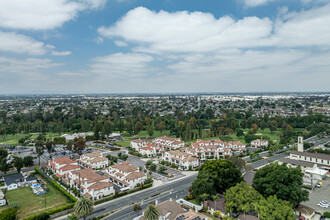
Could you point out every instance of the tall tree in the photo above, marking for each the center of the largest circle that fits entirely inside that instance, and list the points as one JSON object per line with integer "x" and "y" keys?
{"x": 151, "y": 213}
{"x": 83, "y": 207}
{"x": 28, "y": 161}
{"x": 18, "y": 164}
{"x": 4, "y": 166}
{"x": 79, "y": 145}
{"x": 138, "y": 127}
{"x": 241, "y": 198}
{"x": 203, "y": 184}
{"x": 223, "y": 172}
{"x": 39, "y": 144}
{"x": 282, "y": 181}
{"x": 49, "y": 146}
{"x": 275, "y": 209}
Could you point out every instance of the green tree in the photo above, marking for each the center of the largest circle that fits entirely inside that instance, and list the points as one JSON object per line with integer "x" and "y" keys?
{"x": 282, "y": 181}
{"x": 138, "y": 127}
{"x": 151, "y": 212}
{"x": 39, "y": 144}
{"x": 28, "y": 161}
{"x": 79, "y": 145}
{"x": 241, "y": 198}
{"x": 3, "y": 153}
{"x": 275, "y": 209}
{"x": 150, "y": 130}
{"x": 49, "y": 146}
{"x": 4, "y": 166}
{"x": 83, "y": 207}
{"x": 153, "y": 167}
{"x": 161, "y": 169}
{"x": 224, "y": 174}
{"x": 18, "y": 164}
{"x": 239, "y": 163}
{"x": 203, "y": 184}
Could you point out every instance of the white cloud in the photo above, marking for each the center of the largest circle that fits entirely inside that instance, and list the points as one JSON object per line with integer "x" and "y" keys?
{"x": 17, "y": 43}
{"x": 305, "y": 28}
{"x": 188, "y": 32}
{"x": 254, "y": 3}
{"x": 42, "y": 15}
{"x": 61, "y": 53}
{"x": 120, "y": 43}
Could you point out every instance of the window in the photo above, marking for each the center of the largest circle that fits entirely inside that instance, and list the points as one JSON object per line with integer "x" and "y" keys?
{"x": 316, "y": 160}
{"x": 310, "y": 159}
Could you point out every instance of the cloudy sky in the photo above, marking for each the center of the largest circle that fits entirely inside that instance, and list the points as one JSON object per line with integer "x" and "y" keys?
{"x": 127, "y": 46}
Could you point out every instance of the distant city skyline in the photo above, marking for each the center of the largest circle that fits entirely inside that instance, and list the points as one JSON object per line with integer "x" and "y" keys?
{"x": 165, "y": 46}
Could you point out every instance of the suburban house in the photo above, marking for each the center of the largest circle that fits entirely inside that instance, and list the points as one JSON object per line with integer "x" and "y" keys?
{"x": 237, "y": 146}
{"x": 215, "y": 206}
{"x": 125, "y": 175}
{"x": 259, "y": 143}
{"x": 94, "y": 160}
{"x": 63, "y": 165}
{"x": 91, "y": 184}
{"x": 13, "y": 181}
{"x": 182, "y": 159}
{"x": 172, "y": 210}
{"x": 168, "y": 143}
{"x": 305, "y": 211}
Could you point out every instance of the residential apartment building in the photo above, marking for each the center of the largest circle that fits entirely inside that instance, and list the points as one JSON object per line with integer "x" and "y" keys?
{"x": 138, "y": 143}
{"x": 125, "y": 175}
{"x": 168, "y": 143}
{"x": 182, "y": 159}
{"x": 258, "y": 143}
{"x": 214, "y": 149}
{"x": 94, "y": 160}
{"x": 91, "y": 184}
{"x": 145, "y": 148}
{"x": 63, "y": 165}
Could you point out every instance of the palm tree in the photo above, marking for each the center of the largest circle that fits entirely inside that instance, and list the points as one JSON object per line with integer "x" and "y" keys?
{"x": 83, "y": 207}
{"x": 215, "y": 198}
{"x": 151, "y": 213}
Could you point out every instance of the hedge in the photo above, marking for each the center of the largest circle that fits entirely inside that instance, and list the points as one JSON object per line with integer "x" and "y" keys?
{"x": 46, "y": 214}
{"x": 122, "y": 194}
{"x": 57, "y": 186}
{"x": 327, "y": 214}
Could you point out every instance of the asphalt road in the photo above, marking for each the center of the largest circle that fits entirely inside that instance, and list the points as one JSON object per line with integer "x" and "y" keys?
{"x": 175, "y": 189}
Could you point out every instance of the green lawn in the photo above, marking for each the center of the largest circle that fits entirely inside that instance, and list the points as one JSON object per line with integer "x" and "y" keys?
{"x": 13, "y": 139}
{"x": 30, "y": 204}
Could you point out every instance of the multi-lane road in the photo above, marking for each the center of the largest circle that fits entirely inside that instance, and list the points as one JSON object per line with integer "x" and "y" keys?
{"x": 124, "y": 206}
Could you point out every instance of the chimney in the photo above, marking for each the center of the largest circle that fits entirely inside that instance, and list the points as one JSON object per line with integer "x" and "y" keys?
{"x": 300, "y": 144}
{"x": 170, "y": 199}
{"x": 156, "y": 202}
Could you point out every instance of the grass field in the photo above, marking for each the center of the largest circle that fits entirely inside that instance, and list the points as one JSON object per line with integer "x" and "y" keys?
{"x": 13, "y": 139}
{"x": 29, "y": 203}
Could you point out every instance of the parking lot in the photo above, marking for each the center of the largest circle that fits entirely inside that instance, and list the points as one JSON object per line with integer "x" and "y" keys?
{"x": 318, "y": 195}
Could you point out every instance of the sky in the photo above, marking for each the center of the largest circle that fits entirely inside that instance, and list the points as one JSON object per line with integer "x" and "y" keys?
{"x": 164, "y": 46}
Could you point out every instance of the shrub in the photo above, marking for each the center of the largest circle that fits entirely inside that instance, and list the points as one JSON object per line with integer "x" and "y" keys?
{"x": 8, "y": 213}
{"x": 327, "y": 214}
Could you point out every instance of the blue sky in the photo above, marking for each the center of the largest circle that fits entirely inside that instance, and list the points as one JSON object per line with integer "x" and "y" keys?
{"x": 127, "y": 46}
